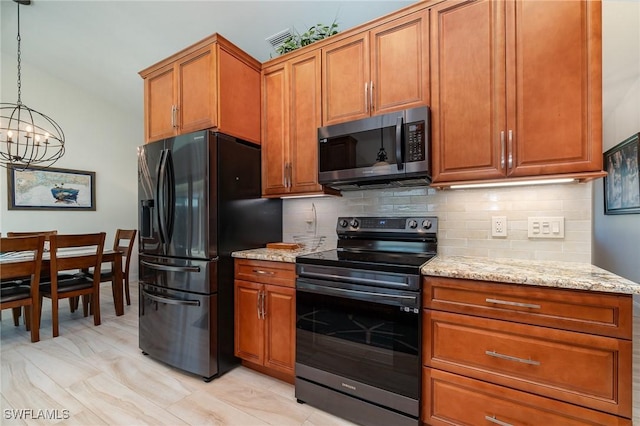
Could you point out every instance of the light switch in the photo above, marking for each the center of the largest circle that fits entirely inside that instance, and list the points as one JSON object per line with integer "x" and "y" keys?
{"x": 545, "y": 227}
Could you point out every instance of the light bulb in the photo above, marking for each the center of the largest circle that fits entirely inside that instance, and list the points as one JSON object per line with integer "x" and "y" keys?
{"x": 29, "y": 129}
{"x": 9, "y": 135}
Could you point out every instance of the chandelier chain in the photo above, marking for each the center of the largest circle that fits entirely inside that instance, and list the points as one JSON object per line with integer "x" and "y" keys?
{"x": 19, "y": 63}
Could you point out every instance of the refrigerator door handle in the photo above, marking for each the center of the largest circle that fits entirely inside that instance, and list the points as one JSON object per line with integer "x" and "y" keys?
{"x": 160, "y": 196}
{"x": 170, "y": 206}
{"x": 168, "y": 300}
{"x": 170, "y": 268}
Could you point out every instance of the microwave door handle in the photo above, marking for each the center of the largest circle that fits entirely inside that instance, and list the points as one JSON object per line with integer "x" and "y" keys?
{"x": 399, "y": 159}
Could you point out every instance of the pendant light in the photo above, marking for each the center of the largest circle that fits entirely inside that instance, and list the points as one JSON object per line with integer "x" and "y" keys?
{"x": 27, "y": 137}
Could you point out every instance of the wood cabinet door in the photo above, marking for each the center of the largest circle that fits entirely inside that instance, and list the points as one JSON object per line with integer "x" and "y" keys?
{"x": 275, "y": 130}
{"x": 159, "y": 100}
{"x": 280, "y": 319}
{"x": 468, "y": 110}
{"x": 239, "y": 97}
{"x": 249, "y": 327}
{"x": 554, "y": 86}
{"x": 196, "y": 90}
{"x": 305, "y": 112}
{"x": 400, "y": 64}
{"x": 346, "y": 80}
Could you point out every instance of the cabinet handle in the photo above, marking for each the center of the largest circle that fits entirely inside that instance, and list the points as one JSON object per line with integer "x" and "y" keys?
{"x": 264, "y": 312}
{"x": 261, "y": 272}
{"x": 372, "y": 105}
{"x": 493, "y": 419}
{"x": 512, "y": 358}
{"x": 509, "y": 303}
{"x": 290, "y": 175}
{"x": 173, "y": 116}
{"x": 510, "y": 149}
{"x": 258, "y": 303}
{"x": 502, "y": 148}
{"x": 285, "y": 175}
{"x": 366, "y": 91}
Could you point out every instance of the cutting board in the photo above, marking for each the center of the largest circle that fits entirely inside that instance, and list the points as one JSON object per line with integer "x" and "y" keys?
{"x": 283, "y": 246}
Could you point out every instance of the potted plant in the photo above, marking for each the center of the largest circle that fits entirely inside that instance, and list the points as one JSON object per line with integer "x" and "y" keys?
{"x": 313, "y": 34}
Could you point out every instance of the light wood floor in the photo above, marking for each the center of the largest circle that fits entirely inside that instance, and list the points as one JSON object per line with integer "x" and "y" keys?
{"x": 97, "y": 376}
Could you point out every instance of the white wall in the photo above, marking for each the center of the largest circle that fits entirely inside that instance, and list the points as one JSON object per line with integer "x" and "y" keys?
{"x": 616, "y": 238}
{"x": 464, "y": 218}
{"x": 99, "y": 138}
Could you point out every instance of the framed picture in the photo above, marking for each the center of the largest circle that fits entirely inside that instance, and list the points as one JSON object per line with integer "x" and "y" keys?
{"x": 39, "y": 188}
{"x": 622, "y": 185}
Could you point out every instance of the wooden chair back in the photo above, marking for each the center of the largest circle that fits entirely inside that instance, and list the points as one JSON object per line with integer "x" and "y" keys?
{"x": 73, "y": 252}
{"x": 20, "y": 268}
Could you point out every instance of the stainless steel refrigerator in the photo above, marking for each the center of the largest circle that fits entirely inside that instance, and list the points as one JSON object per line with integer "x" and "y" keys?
{"x": 199, "y": 200}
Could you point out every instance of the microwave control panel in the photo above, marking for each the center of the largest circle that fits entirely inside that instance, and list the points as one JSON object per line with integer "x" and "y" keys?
{"x": 415, "y": 142}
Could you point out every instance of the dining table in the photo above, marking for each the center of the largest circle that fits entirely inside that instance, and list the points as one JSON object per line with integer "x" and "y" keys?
{"x": 108, "y": 256}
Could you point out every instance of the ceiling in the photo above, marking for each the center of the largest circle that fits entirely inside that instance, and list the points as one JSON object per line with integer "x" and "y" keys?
{"x": 100, "y": 46}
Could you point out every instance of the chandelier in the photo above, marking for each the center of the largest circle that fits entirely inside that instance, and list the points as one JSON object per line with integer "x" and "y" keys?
{"x": 27, "y": 137}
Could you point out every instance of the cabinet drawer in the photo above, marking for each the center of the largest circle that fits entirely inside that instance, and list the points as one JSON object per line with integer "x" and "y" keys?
{"x": 486, "y": 404}
{"x": 588, "y": 312}
{"x": 592, "y": 371}
{"x": 267, "y": 272}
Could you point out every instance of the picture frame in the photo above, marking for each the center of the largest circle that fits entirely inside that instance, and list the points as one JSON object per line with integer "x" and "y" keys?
{"x": 40, "y": 188}
{"x": 622, "y": 183}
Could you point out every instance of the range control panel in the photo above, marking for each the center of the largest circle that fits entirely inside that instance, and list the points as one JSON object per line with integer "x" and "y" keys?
{"x": 408, "y": 225}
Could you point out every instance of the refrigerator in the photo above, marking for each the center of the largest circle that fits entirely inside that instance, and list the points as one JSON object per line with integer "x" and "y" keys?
{"x": 199, "y": 200}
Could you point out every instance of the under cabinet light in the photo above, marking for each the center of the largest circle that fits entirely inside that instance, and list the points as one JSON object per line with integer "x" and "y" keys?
{"x": 512, "y": 183}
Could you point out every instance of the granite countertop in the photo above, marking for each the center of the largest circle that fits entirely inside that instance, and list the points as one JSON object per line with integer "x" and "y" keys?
{"x": 275, "y": 255}
{"x": 579, "y": 276}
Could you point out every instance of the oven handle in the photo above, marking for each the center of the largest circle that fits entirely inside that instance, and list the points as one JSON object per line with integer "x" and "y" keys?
{"x": 368, "y": 296}
{"x": 357, "y": 280}
{"x": 169, "y": 301}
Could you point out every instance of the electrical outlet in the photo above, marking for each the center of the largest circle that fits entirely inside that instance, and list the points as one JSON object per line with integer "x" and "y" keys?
{"x": 545, "y": 227}
{"x": 498, "y": 226}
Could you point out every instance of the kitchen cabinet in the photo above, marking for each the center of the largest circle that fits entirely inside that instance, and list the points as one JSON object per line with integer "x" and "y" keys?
{"x": 265, "y": 316}
{"x": 377, "y": 71}
{"x": 210, "y": 85}
{"x": 551, "y": 355}
{"x": 515, "y": 89}
{"x": 291, "y": 117}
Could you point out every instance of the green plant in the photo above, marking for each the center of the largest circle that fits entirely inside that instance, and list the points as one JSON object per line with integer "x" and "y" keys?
{"x": 315, "y": 33}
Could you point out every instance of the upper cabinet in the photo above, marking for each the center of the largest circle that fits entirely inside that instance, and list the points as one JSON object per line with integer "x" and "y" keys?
{"x": 291, "y": 117}
{"x": 211, "y": 84}
{"x": 515, "y": 89}
{"x": 377, "y": 71}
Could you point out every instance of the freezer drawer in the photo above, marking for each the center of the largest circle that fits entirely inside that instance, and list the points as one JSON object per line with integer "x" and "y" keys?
{"x": 179, "y": 328}
{"x": 194, "y": 276}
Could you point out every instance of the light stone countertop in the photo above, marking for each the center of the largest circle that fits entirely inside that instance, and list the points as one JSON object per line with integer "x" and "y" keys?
{"x": 274, "y": 255}
{"x": 578, "y": 276}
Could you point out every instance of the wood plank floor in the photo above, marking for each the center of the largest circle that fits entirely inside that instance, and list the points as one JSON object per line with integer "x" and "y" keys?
{"x": 98, "y": 376}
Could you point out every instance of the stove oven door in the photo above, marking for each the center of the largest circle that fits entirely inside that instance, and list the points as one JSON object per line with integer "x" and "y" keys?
{"x": 359, "y": 340}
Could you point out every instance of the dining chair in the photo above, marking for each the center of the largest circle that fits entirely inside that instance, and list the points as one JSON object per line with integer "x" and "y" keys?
{"x": 123, "y": 242}
{"x": 15, "y": 291}
{"x": 74, "y": 253}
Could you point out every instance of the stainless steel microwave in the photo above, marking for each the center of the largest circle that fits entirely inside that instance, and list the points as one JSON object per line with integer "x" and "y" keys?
{"x": 381, "y": 151}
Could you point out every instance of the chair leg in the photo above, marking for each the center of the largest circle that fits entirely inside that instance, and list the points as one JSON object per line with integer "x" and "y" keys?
{"x": 54, "y": 316}
{"x": 126, "y": 290}
{"x": 85, "y": 305}
{"x": 16, "y": 315}
{"x": 27, "y": 318}
{"x": 73, "y": 303}
{"x": 35, "y": 321}
{"x": 95, "y": 306}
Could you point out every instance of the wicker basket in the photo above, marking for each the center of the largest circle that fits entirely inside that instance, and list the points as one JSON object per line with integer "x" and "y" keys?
{"x": 309, "y": 242}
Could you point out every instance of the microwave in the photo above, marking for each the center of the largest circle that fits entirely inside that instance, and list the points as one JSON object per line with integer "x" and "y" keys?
{"x": 388, "y": 150}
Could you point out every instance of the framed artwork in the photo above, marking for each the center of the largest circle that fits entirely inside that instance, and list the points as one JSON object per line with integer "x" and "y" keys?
{"x": 39, "y": 188}
{"x": 622, "y": 185}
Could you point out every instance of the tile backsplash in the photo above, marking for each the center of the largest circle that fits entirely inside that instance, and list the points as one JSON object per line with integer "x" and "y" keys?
{"x": 464, "y": 218}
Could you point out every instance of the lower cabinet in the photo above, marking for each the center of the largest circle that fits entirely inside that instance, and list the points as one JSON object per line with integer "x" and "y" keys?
{"x": 265, "y": 311}
{"x": 508, "y": 354}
